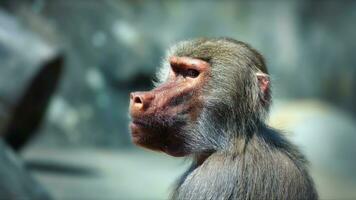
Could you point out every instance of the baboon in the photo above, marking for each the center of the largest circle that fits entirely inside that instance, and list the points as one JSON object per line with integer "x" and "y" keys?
{"x": 210, "y": 103}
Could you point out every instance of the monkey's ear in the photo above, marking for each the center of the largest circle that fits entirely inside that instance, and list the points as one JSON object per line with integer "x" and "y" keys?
{"x": 263, "y": 82}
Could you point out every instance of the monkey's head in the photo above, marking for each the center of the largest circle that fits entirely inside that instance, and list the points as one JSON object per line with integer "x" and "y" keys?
{"x": 218, "y": 86}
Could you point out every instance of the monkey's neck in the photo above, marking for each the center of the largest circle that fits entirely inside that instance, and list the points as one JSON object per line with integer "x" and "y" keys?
{"x": 241, "y": 137}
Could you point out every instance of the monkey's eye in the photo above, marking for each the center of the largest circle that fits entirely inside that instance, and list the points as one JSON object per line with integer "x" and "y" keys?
{"x": 192, "y": 73}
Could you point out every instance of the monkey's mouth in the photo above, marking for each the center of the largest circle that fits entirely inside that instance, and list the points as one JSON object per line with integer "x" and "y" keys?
{"x": 155, "y": 136}
{"x": 136, "y": 125}
{"x": 139, "y": 123}
{"x": 140, "y": 127}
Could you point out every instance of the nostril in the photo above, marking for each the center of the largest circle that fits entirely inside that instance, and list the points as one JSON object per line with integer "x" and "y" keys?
{"x": 137, "y": 100}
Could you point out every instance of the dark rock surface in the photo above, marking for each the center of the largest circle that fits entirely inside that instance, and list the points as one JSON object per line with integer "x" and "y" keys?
{"x": 28, "y": 79}
{"x": 15, "y": 180}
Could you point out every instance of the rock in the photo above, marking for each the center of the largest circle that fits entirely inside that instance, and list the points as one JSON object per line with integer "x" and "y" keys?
{"x": 29, "y": 73}
{"x": 15, "y": 180}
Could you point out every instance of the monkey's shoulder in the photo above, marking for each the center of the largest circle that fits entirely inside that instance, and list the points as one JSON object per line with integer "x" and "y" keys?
{"x": 244, "y": 177}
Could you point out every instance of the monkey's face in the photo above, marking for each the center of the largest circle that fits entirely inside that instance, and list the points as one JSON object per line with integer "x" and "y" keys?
{"x": 160, "y": 116}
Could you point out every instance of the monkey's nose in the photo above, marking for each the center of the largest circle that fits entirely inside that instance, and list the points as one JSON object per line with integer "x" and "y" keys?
{"x": 139, "y": 100}
{"x": 136, "y": 100}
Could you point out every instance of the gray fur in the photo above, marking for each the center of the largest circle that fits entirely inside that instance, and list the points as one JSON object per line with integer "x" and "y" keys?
{"x": 236, "y": 155}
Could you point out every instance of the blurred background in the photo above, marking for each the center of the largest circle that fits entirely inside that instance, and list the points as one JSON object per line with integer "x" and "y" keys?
{"x": 67, "y": 67}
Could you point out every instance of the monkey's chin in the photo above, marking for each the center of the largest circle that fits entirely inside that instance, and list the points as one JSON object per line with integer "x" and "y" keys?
{"x": 141, "y": 136}
{"x": 136, "y": 133}
{"x": 144, "y": 137}
{"x": 175, "y": 153}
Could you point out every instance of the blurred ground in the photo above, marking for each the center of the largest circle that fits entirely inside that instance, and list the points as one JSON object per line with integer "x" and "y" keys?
{"x": 89, "y": 173}
{"x": 131, "y": 174}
